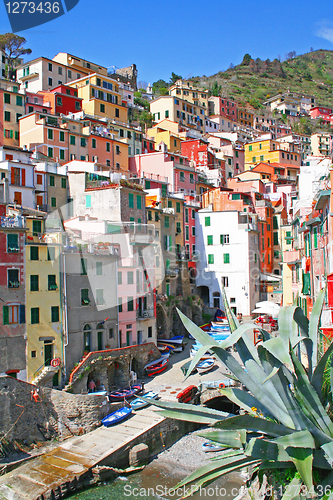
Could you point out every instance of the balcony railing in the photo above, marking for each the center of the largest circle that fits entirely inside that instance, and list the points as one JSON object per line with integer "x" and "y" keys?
{"x": 145, "y": 314}
{"x": 14, "y": 222}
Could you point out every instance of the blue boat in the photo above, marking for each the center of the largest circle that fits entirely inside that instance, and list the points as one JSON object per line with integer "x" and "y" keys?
{"x": 138, "y": 403}
{"x": 210, "y": 446}
{"x": 205, "y": 366}
{"x": 116, "y": 416}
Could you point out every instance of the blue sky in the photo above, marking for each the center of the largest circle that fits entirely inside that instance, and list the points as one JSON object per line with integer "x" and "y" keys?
{"x": 189, "y": 37}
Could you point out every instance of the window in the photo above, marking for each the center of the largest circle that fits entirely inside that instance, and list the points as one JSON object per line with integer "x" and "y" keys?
{"x": 50, "y": 67}
{"x": 130, "y": 277}
{"x": 150, "y": 331}
{"x": 117, "y": 150}
{"x": 207, "y": 221}
{"x": 111, "y": 334}
{"x": 53, "y": 202}
{"x": 88, "y": 200}
{"x": 102, "y": 108}
{"x": 130, "y": 304}
{"x": 131, "y": 200}
{"x": 83, "y": 142}
{"x": 84, "y": 267}
{"x": 51, "y": 282}
{"x": 34, "y": 313}
{"x": 59, "y": 101}
{"x": 52, "y": 180}
{"x": 99, "y": 268}
{"x": 187, "y": 233}
{"x": 7, "y": 116}
{"x": 166, "y": 221}
{"x": 315, "y": 238}
{"x": 85, "y": 297}
{"x": 253, "y": 159}
{"x": 34, "y": 283}
{"x": 108, "y": 147}
{"x": 120, "y": 304}
{"x": 177, "y": 207}
{"x": 226, "y": 258}
{"x": 51, "y": 253}
{"x": 12, "y": 243}
{"x": 33, "y": 354}
{"x": 210, "y": 258}
{"x": 210, "y": 239}
{"x": 72, "y": 140}
{"x": 61, "y": 136}
{"x": 50, "y": 82}
{"x": 64, "y": 182}
{"x": 275, "y": 238}
{"x": 34, "y": 253}
{"x": 193, "y": 214}
{"x": 178, "y": 228}
{"x": 250, "y": 148}
{"x": 225, "y": 281}
{"x": 120, "y": 278}
{"x": 7, "y": 98}
{"x": 139, "y": 201}
{"x": 224, "y": 239}
{"x": 193, "y": 230}
{"x": 182, "y": 176}
{"x": 19, "y": 100}
{"x": 99, "y": 297}
{"x": 50, "y": 152}
{"x": 62, "y": 154}
{"x": 54, "y": 314}
{"x": 77, "y": 105}
{"x": 13, "y": 278}
{"x": 117, "y": 113}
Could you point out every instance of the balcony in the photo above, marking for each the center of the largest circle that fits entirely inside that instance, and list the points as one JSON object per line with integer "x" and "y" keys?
{"x": 291, "y": 256}
{"x": 145, "y": 314}
{"x": 12, "y": 222}
{"x": 29, "y": 77}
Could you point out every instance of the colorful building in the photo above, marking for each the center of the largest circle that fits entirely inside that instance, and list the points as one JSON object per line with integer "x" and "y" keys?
{"x": 271, "y": 152}
{"x": 12, "y": 289}
{"x": 12, "y": 107}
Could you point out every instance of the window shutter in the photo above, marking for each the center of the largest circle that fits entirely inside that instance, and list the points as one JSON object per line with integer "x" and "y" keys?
{"x": 5, "y": 313}
{"x": 12, "y": 175}
{"x": 22, "y": 313}
{"x": 23, "y": 176}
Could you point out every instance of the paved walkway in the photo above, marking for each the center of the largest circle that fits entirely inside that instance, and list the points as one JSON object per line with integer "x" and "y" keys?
{"x": 73, "y": 457}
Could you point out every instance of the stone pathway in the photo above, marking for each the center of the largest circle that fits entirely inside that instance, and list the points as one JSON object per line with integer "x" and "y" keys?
{"x": 73, "y": 457}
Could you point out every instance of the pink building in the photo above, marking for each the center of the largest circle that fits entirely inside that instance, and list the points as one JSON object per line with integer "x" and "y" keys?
{"x": 223, "y": 106}
{"x": 181, "y": 176}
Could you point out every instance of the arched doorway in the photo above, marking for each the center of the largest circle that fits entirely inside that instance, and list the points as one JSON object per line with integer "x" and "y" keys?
{"x": 100, "y": 336}
{"x": 216, "y": 300}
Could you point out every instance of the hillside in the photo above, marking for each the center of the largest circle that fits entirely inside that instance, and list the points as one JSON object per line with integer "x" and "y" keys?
{"x": 254, "y": 81}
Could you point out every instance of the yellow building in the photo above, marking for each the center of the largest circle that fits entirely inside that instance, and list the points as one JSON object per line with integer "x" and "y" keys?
{"x": 11, "y": 109}
{"x": 321, "y": 144}
{"x": 181, "y": 111}
{"x": 77, "y": 64}
{"x": 171, "y": 139}
{"x": 187, "y": 91}
{"x": 101, "y": 97}
{"x": 43, "y": 305}
{"x": 270, "y": 151}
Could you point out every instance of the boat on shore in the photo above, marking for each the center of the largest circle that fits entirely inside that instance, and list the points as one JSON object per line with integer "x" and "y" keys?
{"x": 157, "y": 367}
{"x": 138, "y": 403}
{"x": 187, "y": 394}
{"x": 116, "y": 416}
{"x": 127, "y": 393}
{"x": 210, "y": 446}
{"x": 205, "y": 366}
{"x": 205, "y": 356}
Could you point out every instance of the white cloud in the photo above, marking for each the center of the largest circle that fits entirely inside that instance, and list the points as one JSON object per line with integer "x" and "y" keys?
{"x": 325, "y": 30}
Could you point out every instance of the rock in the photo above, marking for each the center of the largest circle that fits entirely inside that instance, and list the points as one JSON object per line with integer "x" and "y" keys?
{"x": 139, "y": 454}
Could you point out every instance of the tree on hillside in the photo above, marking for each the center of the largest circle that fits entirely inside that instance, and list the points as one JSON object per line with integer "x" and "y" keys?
{"x": 160, "y": 87}
{"x": 246, "y": 60}
{"x": 216, "y": 89}
{"x": 174, "y": 78}
{"x": 12, "y": 46}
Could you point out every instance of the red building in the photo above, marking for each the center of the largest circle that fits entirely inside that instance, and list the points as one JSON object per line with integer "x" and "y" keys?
{"x": 197, "y": 150}
{"x": 62, "y": 99}
{"x": 222, "y": 106}
{"x": 12, "y": 294}
{"x": 320, "y": 112}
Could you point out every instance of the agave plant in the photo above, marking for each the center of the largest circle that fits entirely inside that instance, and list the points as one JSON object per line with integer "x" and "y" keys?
{"x": 285, "y": 423}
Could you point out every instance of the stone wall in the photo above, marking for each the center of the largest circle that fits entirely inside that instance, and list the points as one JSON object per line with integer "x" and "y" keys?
{"x": 168, "y": 322}
{"x": 54, "y": 414}
{"x": 112, "y": 367}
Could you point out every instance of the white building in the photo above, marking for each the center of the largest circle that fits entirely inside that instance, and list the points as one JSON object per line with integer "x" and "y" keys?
{"x": 17, "y": 176}
{"x": 228, "y": 253}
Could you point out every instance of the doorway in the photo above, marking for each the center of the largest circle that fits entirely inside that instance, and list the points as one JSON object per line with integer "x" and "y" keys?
{"x": 48, "y": 353}
{"x": 100, "y": 340}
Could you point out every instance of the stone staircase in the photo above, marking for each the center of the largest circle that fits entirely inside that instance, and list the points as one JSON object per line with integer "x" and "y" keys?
{"x": 45, "y": 377}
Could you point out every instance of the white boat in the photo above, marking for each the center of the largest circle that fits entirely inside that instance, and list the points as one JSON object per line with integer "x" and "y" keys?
{"x": 210, "y": 446}
{"x": 154, "y": 362}
{"x": 205, "y": 356}
{"x": 205, "y": 366}
{"x": 138, "y": 403}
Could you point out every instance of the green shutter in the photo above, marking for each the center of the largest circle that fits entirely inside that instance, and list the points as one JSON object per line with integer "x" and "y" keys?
{"x": 139, "y": 201}
{"x": 207, "y": 221}
{"x": 226, "y": 258}
{"x": 5, "y": 313}
{"x": 306, "y": 289}
{"x": 130, "y": 200}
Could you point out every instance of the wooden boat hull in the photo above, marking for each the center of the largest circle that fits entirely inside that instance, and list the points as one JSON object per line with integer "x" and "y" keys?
{"x": 116, "y": 416}
{"x": 140, "y": 403}
{"x": 205, "y": 366}
{"x": 158, "y": 368}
